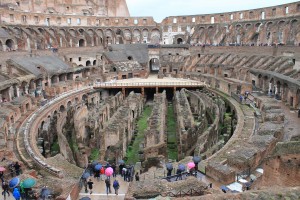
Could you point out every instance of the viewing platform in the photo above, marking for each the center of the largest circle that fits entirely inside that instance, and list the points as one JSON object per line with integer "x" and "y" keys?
{"x": 151, "y": 82}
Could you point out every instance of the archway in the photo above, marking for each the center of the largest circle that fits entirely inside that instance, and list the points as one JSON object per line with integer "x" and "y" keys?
{"x": 154, "y": 65}
{"x": 10, "y": 44}
{"x": 179, "y": 41}
{"x": 88, "y": 63}
{"x": 81, "y": 43}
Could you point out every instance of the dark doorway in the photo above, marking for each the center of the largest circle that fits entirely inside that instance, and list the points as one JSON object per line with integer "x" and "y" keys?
{"x": 130, "y": 75}
{"x": 154, "y": 65}
{"x": 81, "y": 43}
{"x": 179, "y": 41}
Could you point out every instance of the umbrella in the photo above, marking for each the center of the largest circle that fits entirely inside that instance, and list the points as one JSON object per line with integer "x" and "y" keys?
{"x": 85, "y": 198}
{"x": 109, "y": 171}
{"x": 252, "y": 177}
{"x": 223, "y": 187}
{"x": 45, "y": 192}
{"x": 235, "y": 191}
{"x": 94, "y": 163}
{"x": 98, "y": 167}
{"x": 121, "y": 162}
{"x": 196, "y": 159}
{"x": 28, "y": 183}
{"x": 14, "y": 182}
{"x": 86, "y": 175}
{"x": 248, "y": 184}
{"x": 2, "y": 169}
{"x": 191, "y": 165}
{"x": 169, "y": 166}
{"x": 181, "y": 167}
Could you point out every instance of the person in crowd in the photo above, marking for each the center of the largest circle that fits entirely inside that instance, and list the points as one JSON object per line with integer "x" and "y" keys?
{"x": 107, "y": 184}
{"x": 116, "y": 186}
{"x": 137, "y": 177}
{"x": 102, "y": 173}
{"x": 17, "y": 168}
{"x": 178, "y": 173}
{"x": 5, "y": 189}
{"x": 90, "y": 184}
{"x": 114, "y": 167}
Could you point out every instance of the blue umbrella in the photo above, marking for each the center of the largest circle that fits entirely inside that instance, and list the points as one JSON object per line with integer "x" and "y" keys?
{"x": 248, "y": 184}
{"x": 29, "y": 183}
{"x": 196, "y": 159}
{"x": 14, "y": 182}
{"x": 45, "y": 192}
{"x": 169, "y": 166}
{"x": 181, "y": 167}
{"x": 86, "y": 175}
{"x": 98, "y": 167}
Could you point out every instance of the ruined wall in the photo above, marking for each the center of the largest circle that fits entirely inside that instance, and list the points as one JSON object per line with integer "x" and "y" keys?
{"x": 155, "y": 135}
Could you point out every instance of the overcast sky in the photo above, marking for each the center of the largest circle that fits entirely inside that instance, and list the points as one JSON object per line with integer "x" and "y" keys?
{"x": 159, "y": 9}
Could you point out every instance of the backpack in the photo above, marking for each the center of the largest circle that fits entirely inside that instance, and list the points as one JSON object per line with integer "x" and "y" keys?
{"x": 116, "y": 184}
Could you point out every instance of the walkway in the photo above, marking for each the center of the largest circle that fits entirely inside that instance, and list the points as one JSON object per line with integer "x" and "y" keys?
{"x": 149, "y": 82}
{"x": 99, "y": 190}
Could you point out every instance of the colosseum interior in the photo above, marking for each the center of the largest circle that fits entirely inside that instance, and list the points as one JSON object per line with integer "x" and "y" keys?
{"x": 83, "y": 82}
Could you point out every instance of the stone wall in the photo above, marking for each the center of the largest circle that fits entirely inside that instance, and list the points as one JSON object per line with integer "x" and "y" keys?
{"x": 155, "y": 135}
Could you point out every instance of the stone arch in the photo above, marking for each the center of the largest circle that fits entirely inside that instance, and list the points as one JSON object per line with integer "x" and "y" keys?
{"x": 155, "y": 36}
{"x": 127, "y": 35}
{"x": 69, "y": 104}
{"x": 10, "y": 44}
{"x": 72, "y": 32}
{"x": 88, "y": 63}
{"x": 154, "y": 65}
{"x": 248, "y": 26}
{"x": 84, "y": 97}
{"x": 179, "y": 40}
{"x": 145, "y": 34}
{"x": 62, "y": 108}
{"x": 81, "y": 42}
{"x": 119, "y": 36}
{"x": 94, "y": 62}
{"x": 109, "y": 37}
{"x": 136, "y": 36}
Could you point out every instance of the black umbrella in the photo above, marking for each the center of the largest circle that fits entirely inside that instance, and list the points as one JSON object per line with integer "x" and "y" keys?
{"x": 85, "y": 198}
{"x": 169, "y": 166}
{"x": 196, "y": 159}
{"x": 45, "y": 192}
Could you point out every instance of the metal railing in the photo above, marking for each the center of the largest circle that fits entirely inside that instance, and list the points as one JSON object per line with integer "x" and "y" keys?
{"x": 143, "y": 84}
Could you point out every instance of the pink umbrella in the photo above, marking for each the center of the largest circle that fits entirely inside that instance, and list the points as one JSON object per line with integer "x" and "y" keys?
{"x": 109, "y": 171}
{"x": 191, "y": 165}
{"x": 2, "y": 169}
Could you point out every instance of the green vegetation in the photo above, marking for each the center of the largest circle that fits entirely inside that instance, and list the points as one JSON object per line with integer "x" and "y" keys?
{"x": 171, "y": 130}
{"x": 55, "y": 148}
{"x": 73, "y": 145}
{"x": 132, "y": 151}
{"x": 94, "y": 154}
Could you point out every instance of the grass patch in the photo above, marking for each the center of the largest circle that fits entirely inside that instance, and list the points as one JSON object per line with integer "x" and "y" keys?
{"x": 55, "y": 148}
{"x": 95, "y": 154}
{"x": 172, "y": 136}
{"x": 132, "y": 151}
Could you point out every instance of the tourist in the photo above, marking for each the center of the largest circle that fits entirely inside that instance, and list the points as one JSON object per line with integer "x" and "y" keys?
{"x": 116, "y": 186}
{"x": 169, "y": 173}
{"x": 16, "y": 194}
{"x": 121, "y": 166}
{"x": 137, "y": 177}
{"x": 11, "y": 169}
{"x": 97, "y": 175}
{"x": 107, "y": 183}
{"x": 90, "y": 184}
{"x": 17, "y": 168}
{"x": 114, "y": 167}
{"x": 5, "y": 188}
{"x": 102, "y": 173}
{"x": 2, "y": 176}
{"x": 124, "y": 173}
{"x": 178, "y": 173}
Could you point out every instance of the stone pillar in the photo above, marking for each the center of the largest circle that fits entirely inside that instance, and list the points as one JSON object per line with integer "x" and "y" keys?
{"x": 276, "y": 89}
{"x": 123, "y": 91}
{"x": 156, "y": 90}
{"x": 143, "y": 92}
{"x": 270, "y": 88}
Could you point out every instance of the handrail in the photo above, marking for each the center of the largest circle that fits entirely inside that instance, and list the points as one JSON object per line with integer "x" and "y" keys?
{"x": 28, "y": 144}
{"x": 115, "y": 84}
